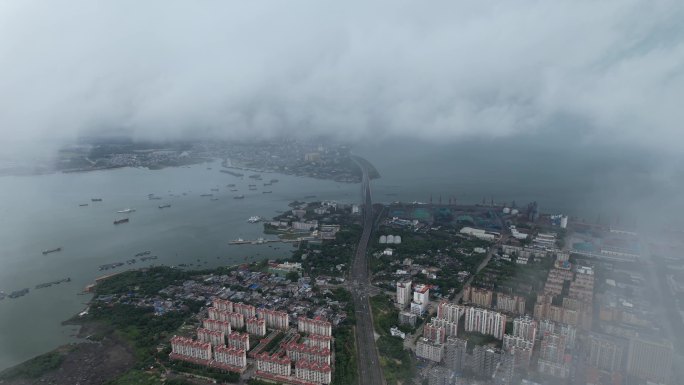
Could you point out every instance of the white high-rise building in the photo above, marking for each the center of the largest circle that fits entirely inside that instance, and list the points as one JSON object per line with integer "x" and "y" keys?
{"x": 421, "y": 299}
{"x": 525, "y": 327}
{"x": 403, "y": 294}
{"x": 485, "y": 321}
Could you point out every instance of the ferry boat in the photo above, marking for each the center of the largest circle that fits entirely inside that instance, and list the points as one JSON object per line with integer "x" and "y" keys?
{"x": 119, "y": 221}
{"x": 125, "y": 211}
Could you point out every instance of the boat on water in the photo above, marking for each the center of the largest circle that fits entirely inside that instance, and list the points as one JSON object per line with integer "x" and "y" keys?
{"x": 146, "y": 252}
{"x": 52, "y": 250}
{"x": 83, "y": 204}
{"x": 230, "y": 185}
{"x": 206, "y": 195}
{"x": 96, "y": 199}
{"x": 234, "y": 190}
{"x": 238, "y": 241}
{"x": 164, "y": 206}
{"x": 125, "y": 211}
{"x": 153, "y": 198}
{"x": 251, "y": 185}
{"x": 274, "y": 181}
{"x": 254, "y": 219}
{"x": 48, "y": 284}
{"x": 239, "y": 197}
{"x": 266, "y": 192}
{"x": 120, "y": 221}
{"x": 18, "y": 293}
{"x": 213, "y": 199}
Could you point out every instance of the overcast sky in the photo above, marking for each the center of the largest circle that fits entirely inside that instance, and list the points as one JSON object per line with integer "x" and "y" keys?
{"x": 611, "y": 70}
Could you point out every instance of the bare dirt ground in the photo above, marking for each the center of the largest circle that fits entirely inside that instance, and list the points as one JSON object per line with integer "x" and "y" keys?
{"x": 87, "y": 363}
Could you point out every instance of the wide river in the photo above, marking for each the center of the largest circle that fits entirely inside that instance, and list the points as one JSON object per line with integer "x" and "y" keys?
{"x": 42, "y": 212}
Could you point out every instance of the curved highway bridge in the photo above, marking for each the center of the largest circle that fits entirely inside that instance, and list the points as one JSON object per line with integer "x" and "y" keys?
{"x": 370, "y": 372}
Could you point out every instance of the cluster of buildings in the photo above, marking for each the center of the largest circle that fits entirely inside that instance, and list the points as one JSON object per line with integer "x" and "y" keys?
{"x": 574, "y": 307}
{"x": 219, "y": 345}
{"x": 300, "y": 363}
{"x": 485, "y": 298}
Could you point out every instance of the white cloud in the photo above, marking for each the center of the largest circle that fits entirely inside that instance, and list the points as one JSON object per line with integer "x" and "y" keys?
{"x": 438, "y": 70}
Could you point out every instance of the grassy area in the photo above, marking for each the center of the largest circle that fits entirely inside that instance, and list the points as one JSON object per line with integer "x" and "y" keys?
{"x": 385, "y": 315}
{"x": 34, "y": 367}
{"x": 398, "y": 365}
{"x": 139, "y": 326}
{"x": 346, "y": 371}
{"x": 145, "y": 281}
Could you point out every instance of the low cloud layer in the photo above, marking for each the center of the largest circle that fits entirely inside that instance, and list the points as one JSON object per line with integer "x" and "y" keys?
{"x": 610, "y": 71}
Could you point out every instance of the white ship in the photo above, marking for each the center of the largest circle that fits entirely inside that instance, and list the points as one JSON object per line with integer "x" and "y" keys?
{"x": 126, "y": 211}
{"x": 254, "y": 219}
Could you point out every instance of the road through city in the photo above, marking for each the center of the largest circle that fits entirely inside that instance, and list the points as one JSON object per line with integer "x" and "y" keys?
{"x": 370, "y": 372}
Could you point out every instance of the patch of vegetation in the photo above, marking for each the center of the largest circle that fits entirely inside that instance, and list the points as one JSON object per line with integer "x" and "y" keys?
{"x": 34, "y": 367}
{"x": 385, "y": 315}
{"x": 138, "y": 377}
{"x": 139, "y": 326}
{"x": 199, "y": 370}
{"x": 397, "y": 363}
{"x": 144, "y": 282}
{"x": 346, "y": 371}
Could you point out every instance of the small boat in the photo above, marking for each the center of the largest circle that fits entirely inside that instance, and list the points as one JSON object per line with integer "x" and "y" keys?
{"x": 213, "y": 199}
{"x": 52, "y": 250}
{"x": 96, "y": 199}
{"x": 266, "y": 192}
{"x": 206, "y": 195}
{"x": 119, "y": 221}
{"x": 234, "y": 190}
{"x": 146, "y": 252}
{"x": 83, "y": 205}
{"x": 254, "y": 219}
{"x": 164, "y": 206}
{"x": 239, "y": 197}
{"x": 153, "y": 198}
{"x": 274, "y": 180}
{"x": 230, "y": 185}
{"x": 125, "y": 211}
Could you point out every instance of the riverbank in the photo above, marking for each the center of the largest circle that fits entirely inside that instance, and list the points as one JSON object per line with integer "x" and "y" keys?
{"x": 86, "y": 363}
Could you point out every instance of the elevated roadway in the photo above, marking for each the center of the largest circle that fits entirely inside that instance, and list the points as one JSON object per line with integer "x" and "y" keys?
{"x": 368, "y": 361}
